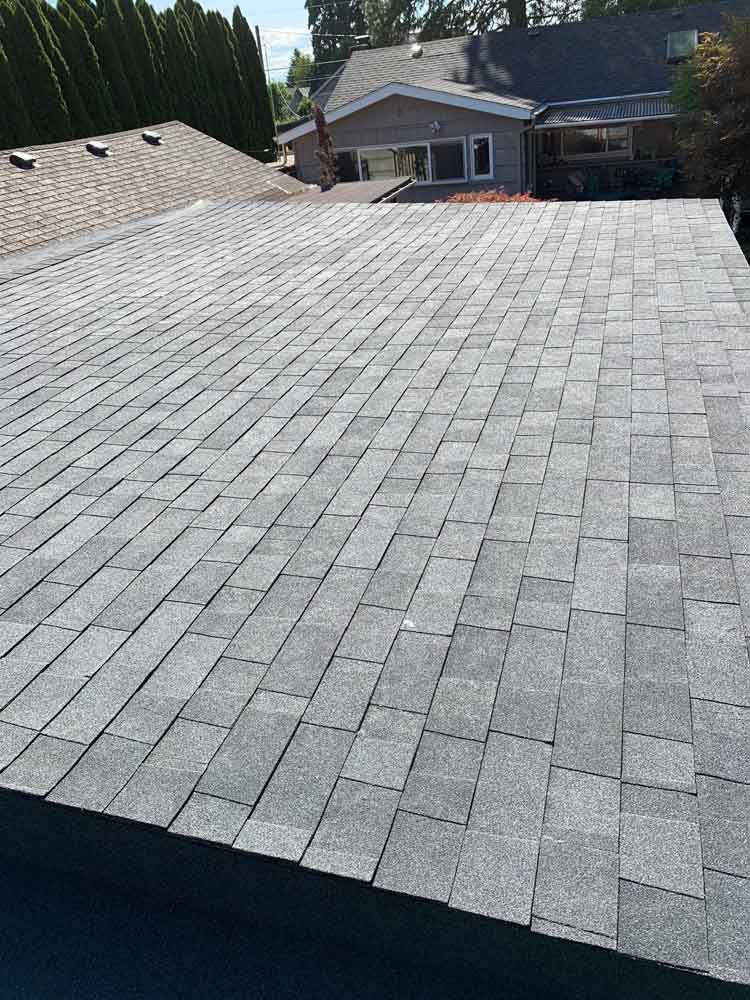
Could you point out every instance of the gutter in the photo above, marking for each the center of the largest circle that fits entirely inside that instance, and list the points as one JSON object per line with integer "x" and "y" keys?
{"x": 392, "y": 194}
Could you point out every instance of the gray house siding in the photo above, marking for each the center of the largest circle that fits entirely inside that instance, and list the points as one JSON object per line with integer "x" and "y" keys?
{"x": 404, "y": 120}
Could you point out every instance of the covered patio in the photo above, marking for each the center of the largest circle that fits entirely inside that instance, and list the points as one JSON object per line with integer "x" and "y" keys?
{"x": 607, "y": 149}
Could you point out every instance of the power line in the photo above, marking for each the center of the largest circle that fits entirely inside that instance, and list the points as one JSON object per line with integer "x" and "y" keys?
{"x": 306, "y": 31}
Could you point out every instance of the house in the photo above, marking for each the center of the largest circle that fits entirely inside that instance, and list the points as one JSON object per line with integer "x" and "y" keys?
{"x": 298, "y": 95}
{"x": 381, "y": 574}
{"x": 561, "y": 110}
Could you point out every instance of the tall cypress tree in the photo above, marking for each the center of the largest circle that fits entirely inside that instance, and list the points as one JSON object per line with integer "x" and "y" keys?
{"x": 223, "y": 62}
{"x": 109, "y": 42}
{"x": 86, "y": 12}
{"x": 38, "y": 11}
{"x": 260, "y": 113}
{"x": 83, "y": 64}
{"x": 16, "y": 128}
{"x": 140, "y": 62}
{"x": 188, "y": 14}
{"x": 181, "y": 69}
{"x": 37, "y": 81}
{"x": 161, "y": 99}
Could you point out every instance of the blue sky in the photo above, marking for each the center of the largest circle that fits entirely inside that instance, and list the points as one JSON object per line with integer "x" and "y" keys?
{"x": 282, "y": 25}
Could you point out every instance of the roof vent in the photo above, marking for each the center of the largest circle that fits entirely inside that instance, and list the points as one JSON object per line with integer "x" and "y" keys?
{"x": 24, "y": 160}
{"x": 152, "y": 138}
{"x": 534, "y": 32}
{"x": 416, "y": 51}
{"x": 98, "y": 148}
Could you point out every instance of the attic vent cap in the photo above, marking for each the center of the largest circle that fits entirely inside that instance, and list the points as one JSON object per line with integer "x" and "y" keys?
{"x": 24, "y": 160}
{"x": 98, "y": 148}
{"x": 152, "y": 138}
{"x": 534, "y": 32}
{"x": 416, "y": 51}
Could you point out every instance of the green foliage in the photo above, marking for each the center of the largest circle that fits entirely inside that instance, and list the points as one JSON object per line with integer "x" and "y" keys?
{"x": 335, "y": 27}
{"x": 37, "y": 80}
{"x": 304, "y": 108}
{"x": 300, "y": 70}
{"x": 82, "y": 68}
{"x": 16, "y": 123}
{"x": 450, "y": 18}
{"x": 390, "y": 21}
{"x": 607, "y": 8}
{"x": 281, "y": 95}
{"x": 258, "y": 106}
{"x": 712, "y": 92}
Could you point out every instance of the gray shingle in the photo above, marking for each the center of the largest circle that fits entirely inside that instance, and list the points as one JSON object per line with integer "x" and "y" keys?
{"x": 462, "y": 704}
{"x": 287, "y": 813}
{"x": 384, "y": 747}
{"x": 353, "y": 830}
{"x": 420, "y": 857}
{"x": 663, "y": 926}
{"x": 443, "y": 777}
{"x": 526, "y": 702}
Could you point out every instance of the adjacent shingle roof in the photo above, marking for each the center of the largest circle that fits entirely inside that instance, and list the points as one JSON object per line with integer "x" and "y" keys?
{"x": 637, "y": 109}
{"x": 70, "y": 191}
{"x": 410, "y": 543}
{"x": 361, "y": 192}
{"x": 602, "y": 57}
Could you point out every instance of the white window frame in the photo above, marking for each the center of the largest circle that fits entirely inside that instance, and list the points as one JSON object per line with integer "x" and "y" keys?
{"x": 482, "y": 177}
{"x": 623, "y": 154}
{"x": 427, "y": 144}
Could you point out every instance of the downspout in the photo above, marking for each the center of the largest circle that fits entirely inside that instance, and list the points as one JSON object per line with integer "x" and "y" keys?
{"x": 529, "y": 162}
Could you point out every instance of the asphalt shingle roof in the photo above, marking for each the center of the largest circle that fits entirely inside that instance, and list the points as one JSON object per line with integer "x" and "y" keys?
{"x": 70, "y": 191}
{"x": 602, "y": 57}
{"x": 421, "y": 557}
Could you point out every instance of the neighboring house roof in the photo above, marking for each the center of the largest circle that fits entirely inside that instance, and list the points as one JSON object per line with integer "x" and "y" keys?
{"x": 315, "y": 543}
{"x": 361, "y": 192}
{"x": 599, "y": 112}
{"x": 71, "y": 191}
{"x": 608, "y": 57}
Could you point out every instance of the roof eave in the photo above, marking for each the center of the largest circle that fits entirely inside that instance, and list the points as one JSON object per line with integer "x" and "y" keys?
{"x": 499, "y": 108}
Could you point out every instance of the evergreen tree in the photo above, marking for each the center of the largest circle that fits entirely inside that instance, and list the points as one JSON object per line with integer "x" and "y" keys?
{"x": 140, "y": 62}
{"x": 109, "y": 44}
{"x": 162, "y": 103}
{"x": 83, "y": 65}
{"x": 335, "y": 27}
{"x": 38, "y": 11}
{"x": 90, "y": 66}
{"x": 261, "y": 134}
{"x": 300, "y": 70}
{"x": 16, "y": 128}
{"x": 37, "y": 81}
{"x": 181, "y": 69}
{"x": 86, "y": 12}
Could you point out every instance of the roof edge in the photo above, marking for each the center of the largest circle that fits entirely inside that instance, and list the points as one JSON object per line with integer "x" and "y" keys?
{"x": 499, "y": 107}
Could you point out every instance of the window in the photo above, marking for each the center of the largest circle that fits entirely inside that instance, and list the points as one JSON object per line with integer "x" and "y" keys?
{"x": 481, "y": 156}
{"x": 346, "y": 166}
{"x": 395, "y": 161}
{"x": 436, "y": 162}
{"x": 448, "y": 161}
{"x": 681, "y": 44}
{"x": 591, "y": 142}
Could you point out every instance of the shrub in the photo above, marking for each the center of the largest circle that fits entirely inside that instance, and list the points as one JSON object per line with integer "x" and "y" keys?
{"x": 474, "y": 197}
